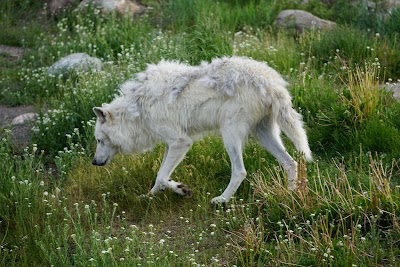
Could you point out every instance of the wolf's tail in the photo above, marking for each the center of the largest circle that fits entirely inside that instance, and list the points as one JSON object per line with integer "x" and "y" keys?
{"x": 290, "y": 121}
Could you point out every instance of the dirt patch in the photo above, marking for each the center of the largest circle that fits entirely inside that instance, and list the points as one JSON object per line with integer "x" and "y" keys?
{"x": 12, "y": 52}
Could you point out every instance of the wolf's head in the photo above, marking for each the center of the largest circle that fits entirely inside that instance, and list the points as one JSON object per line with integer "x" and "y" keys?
{"x": 106, "y": 149}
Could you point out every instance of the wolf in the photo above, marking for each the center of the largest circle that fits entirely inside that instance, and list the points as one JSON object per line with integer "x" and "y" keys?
{"x": 177, "y": 104}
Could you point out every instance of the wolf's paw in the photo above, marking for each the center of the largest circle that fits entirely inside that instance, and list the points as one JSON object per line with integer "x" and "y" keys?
{"x": 184, "y": 190}
{"x": 218, "y": 200}
{"x": 181, "y": 189}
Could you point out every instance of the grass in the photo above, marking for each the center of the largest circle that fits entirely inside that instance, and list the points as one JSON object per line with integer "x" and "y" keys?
{"x": 57, "y": 209}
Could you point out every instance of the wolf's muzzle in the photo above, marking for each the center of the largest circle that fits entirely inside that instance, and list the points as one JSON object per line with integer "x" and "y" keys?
{"x": 95, "y": 162}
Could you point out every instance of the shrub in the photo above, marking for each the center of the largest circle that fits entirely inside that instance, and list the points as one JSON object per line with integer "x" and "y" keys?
{"x": 348, "y": 43}
{"x": 391, "y": 26}
{"x": 361, "y": 94}
{"x": 379, "y": 136}
{"x": 74, "y": 110}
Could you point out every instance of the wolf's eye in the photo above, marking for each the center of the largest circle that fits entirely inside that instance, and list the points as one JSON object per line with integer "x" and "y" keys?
{"x": 101, "y": 142}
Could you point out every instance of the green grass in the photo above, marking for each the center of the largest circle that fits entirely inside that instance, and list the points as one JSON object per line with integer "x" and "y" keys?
{"x": 57, "y": 209}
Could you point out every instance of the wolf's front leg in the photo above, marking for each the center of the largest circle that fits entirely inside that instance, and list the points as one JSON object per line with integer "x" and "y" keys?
{"x": 233, "y": 143}
{"x": 158, "y": 186}
{"x": 175, "y": 152}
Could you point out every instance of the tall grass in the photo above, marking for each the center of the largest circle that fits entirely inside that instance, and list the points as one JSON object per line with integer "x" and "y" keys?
{"x": 21, "y": 208}
{"x": 29, "y": 15}
{"x": 362, "y": 92}
{"x": 183, "y": 14}
{"x": 332, "y": 224}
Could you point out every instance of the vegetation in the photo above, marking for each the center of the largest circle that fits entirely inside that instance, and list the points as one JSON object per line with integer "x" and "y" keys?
{"x": 56, "y": 209}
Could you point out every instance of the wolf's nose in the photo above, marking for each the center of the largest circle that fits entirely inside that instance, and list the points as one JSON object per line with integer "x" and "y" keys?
{"x": 94, "y": 162}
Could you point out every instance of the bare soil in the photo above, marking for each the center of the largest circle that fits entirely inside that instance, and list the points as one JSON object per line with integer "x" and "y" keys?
{"x": 12, "y": 52}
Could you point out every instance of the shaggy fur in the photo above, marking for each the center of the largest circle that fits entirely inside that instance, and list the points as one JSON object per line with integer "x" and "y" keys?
{"x": 176, "y": 104}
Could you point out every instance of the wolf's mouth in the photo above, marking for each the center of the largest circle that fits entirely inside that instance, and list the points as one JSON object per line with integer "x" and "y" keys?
{"x": 95, "y": 162}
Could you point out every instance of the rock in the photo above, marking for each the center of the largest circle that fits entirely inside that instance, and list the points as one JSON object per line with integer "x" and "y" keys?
{"x": 24, "y": 118}
{"x": 372, "y": 4}
{"x": 77, "y": 61}
{"x": 394, "y": 88}
{"x": 122, "y": 7}
{"x": 381, "y": 9}
{"x": 7, "y": 113}
{"x": 392, "y": 4}
{"x": 20, "y": 133}
{"x": 301, "y": 20}
{"x": 380, "y": 5}
{"x": 56, "y": 6}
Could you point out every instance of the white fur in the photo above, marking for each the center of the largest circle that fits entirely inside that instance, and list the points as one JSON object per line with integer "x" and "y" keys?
{"x": 176, "y": 104}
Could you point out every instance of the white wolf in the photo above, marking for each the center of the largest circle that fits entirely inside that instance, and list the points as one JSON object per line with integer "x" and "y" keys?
{"x": 176, "y": 104}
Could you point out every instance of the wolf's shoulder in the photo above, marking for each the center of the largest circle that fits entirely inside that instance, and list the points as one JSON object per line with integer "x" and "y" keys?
{"x": 161, "y": 77}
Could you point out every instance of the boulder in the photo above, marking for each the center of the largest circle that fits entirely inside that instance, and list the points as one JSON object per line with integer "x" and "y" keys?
{"x": 76, "y": 61}
{"x": 24, "y": 118}
{"x": 381, "y": 9}
{"x": 301, "y": 20}
{"x": 370, "y": 4}
{"x": 55, "y": 6}
{"x": 381, "y": 5}
{"x": 394, "y": 88}
{"x": 122, "y": 7}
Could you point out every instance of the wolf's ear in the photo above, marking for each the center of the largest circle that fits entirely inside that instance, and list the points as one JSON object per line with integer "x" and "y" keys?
{"x": 102, "y": 114}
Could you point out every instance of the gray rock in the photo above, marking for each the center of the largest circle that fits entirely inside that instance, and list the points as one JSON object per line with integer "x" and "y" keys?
{"x": 122, "y": 7}
{"x": 301, "y": 20}
{"x": 394, "y": 88}
{"x": 24, "y": 118}
{"x": 370, "y": 4}
{"x": 7, "y": 113}
{"x": 20, "y": 133}
{"x": 77, "y": 61}
{"x": 379, "y": 8}
{"x": 380, "y": 5}
{"x": 55, "y": 6}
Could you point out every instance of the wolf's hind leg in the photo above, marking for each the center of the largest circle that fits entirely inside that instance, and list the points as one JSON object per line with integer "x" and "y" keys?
{"x": 175, "y": 152}
{"x": 268, "y": 134}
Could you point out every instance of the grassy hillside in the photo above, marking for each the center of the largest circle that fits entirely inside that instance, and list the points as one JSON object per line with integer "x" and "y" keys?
{"x": 56, "y": 209}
